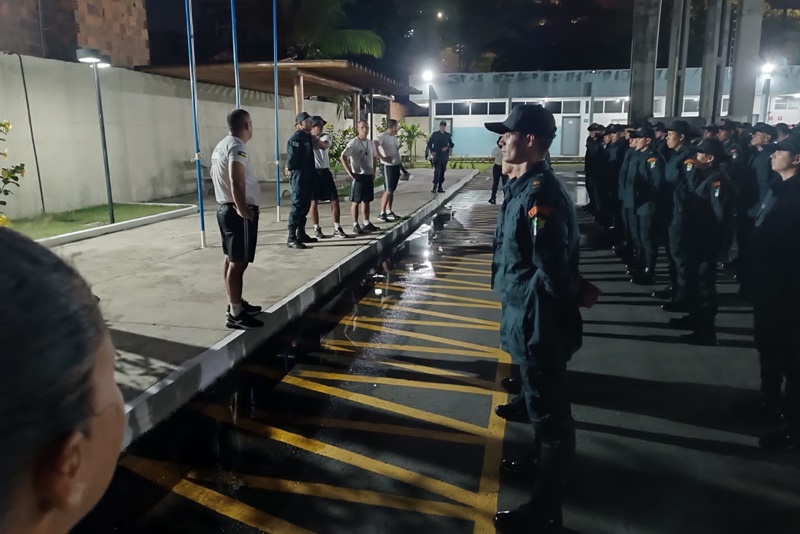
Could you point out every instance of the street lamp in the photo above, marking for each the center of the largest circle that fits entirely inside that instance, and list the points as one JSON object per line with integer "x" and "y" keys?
{"x": 97, "y": 60}
{"x": 768, "y": 68}
{"x": 440, "y": 15}
{"x": 427, "y": 76}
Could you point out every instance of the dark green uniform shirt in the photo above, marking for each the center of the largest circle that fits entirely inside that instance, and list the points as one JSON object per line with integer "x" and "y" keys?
{"x": 300, "y": 152}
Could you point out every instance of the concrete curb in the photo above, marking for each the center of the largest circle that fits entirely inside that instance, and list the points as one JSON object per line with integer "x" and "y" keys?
{"x": 81, "y": 235}
{"x": 165, "y": 397}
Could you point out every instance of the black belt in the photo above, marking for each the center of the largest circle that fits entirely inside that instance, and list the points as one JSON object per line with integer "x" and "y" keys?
{"x": 233, "y": 204}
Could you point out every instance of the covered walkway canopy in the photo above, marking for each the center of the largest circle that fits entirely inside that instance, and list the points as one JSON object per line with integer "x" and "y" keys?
{"x": 299, "y": 79}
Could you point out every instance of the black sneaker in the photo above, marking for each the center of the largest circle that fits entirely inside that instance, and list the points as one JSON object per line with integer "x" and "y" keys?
{"x": 294, "y": 243}
{"x": 250, "y": 308}
{"x": 392, "y": 216}
{"x": 440, "y": 190}
{"x": 303, "y": 237}
{"x": 383, "y": 217}
{"x": 339, "y": 232}
{"x": 318, "y": 233}
{"x": 370, "y": 228}
{"x": 243, "y": 321}
{"x": 433, "y": 190}
{"x": 357, "y": 230}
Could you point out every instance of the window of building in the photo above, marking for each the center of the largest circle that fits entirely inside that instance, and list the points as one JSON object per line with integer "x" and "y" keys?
{"x": 725, "y": 103}
{"x": 444, "y": 108}
{"x": 658, "y": 107}
{"x": 553, "y": 106}
{"x": 598, "y": 106}
{"x": 571, "y": 106}
{"x": 479, "y": 108}
{"x": 497, "y": 108}
{"x": 460, "y": 108}
{"x": 794, "y": 102}
{"x": 691, "y": 105}
{"x": 786, "y": 102}
{"x": 614, "y": 106}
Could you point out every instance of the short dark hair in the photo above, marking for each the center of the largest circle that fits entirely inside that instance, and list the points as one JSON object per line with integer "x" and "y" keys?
{"x": 443, "y": 123}
{"x": 48, "y": 356}
{"x": 391, "y": 123}
{"x": 544, "y": 143}
{"x": 237, "y": 120}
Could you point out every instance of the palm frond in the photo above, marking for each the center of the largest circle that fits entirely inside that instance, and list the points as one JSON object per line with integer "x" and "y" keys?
{"x": 340, "y": 43}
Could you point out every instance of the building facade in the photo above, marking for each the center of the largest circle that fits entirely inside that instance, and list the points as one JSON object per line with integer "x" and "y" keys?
{"x": 577, "y": 98}
{"x": 56, "y": 28}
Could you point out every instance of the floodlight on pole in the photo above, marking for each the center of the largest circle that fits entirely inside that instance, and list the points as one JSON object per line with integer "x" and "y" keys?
{"x": 440, "y": 15}
{"x": 767, "y": 68}
{"x": 97, "y": 60}
{"x": 427, "y": 75}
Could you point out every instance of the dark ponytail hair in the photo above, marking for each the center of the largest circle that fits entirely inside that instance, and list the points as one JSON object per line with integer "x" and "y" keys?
{"x": 50, "y": 329}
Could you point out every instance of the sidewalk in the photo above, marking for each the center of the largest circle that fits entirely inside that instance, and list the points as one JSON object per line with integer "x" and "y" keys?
{"x": 164, "y": 299}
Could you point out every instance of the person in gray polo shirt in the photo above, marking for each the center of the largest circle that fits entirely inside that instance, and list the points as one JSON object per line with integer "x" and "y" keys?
{"x": 239, "y": 195}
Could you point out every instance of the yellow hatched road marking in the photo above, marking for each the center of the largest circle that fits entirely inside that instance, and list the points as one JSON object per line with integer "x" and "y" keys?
{"x": 402, "y": 382}
{"x": 338, "y": 493}
{"x": 314, "y": 446}
{"x": 444, "y": 296}
{"x": 481, "y": 272}
{"x": 393, "y": 407}
{"x": 427, "y": 337}
{"x": 469, "y": 258}
{"x": 438, "y": 324}
{"x": 442, "y": 315}
{"x": 160, "y": 473}
{"x": 375, "y": 428}
{"x": 334, "y": 344}
{"x": 412, "y": 285}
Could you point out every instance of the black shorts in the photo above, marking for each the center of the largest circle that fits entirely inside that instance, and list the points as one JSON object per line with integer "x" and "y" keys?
{"x": 239, "y": 236}
{"x": 391, "y": 177}
{"x": 363, "y": 189}
{"x": 325, "y": 186}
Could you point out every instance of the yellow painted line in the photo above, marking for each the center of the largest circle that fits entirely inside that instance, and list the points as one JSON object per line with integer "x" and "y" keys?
{"x": 161, "y": 474}
{"x": 434, "y": 286}
{"x": 445, "y": 296}
{"x": 455, "y": 317}
{"x": 385, "y": 381}
{"x": 450, "y": 274}
{"x": 414, "y": 348}
{"x": 469, "y": 258}
{"x": 375, "y": 428}
{"x": 429, "y": 337}
{"x": 458, "y": 376}
{"x": 489, "y": 487}
{"x": 457, "y": 263}
{"x": 462, "y": 270}
{"x": 393, "y": 407}
{"x": 451, "y": 280}
{"x": 338, "y": 493}
{"x": 320, "y": 448}
{"x": 437, "y": 324}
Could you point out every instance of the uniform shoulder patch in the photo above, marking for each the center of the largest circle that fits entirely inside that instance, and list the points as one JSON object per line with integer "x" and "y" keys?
{"x": 689, "y": 163}
{"x": 537, "y": 183}
{"x": 652, "y": 162}
{"x": 241, "y": 154}
{"x": 716, "y": 187}
{"x": 295, "y": 144}
{"x": 540, "y": 211}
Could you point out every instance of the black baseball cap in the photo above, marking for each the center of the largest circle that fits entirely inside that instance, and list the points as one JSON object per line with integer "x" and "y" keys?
{"x": 766, "y": 128}
{"x": 681, "y": 127}
{"x": 316, "y": 120}
{"x": 660, "y": 127}
{"x": 711, "y": 128}
{"x": 728, "y": 126}
{"x": 302, "y": 116}
{"x": 643, "y": 133}
{"x": 712, "y": 147}
{"x": 790, "y": 144}
{"x": 783, "y": 128}
{"x": 594, "y": 127}
{"x": 528, "y": 119}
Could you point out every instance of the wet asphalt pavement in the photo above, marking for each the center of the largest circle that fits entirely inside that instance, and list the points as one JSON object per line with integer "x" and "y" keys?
{"x": 374, "y": 414}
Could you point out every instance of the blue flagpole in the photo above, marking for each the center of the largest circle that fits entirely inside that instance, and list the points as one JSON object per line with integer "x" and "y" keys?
{"x": 277, "y": 132}
{"x": 193, "y": 80}
{"x": 235, "y": 35}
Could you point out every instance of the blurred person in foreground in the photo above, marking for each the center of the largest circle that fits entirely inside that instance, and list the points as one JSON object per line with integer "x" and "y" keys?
{"x": 62, "y": 415}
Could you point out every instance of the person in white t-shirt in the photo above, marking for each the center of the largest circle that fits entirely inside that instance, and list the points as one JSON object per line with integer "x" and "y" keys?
{"x": 389, "y": 153}
{"x": 359, "y": 159}
{"x": 497, "y": 170}
{"x": 325, "y": 186}
{"x": 238, "y": 194}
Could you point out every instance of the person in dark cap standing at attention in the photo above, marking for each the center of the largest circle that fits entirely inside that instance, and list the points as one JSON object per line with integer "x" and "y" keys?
{"x": 535, "y": 270}
{"x": 734, "y": 169}
{"x": 678, "y": 173}
{"x": 771, "y": 268}
{"x": 594, "y": 144}
{"x": 758, "y": 180}
{"x": 300, "y": 169}
{"x": 661, "y": 140}
{"x": 783, "y": 131}
{"x": 646, "y": 193}
{"x": 440, "y": 145}
{"x": 628, "y": 235}
{"x": 709, "y": 212}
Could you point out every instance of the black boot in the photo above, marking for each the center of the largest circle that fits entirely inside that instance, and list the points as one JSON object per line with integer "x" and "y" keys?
{"x": 515, "y": 411}
{"x": 647, "y": 278}
{"x": 303, "y": 237}
{"x": 292, "y": 241}
{"x": 663, "y": 294}
{"x": 530, "y": 518}
{"x": 512, "y": 385}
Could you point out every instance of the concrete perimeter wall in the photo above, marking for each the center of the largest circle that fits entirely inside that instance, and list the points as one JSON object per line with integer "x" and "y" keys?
{"x": 148, "y": 129}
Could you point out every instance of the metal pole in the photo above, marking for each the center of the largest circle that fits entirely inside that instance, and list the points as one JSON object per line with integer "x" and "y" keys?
{"x": 193, "y": 77}
{"x": 103, "y": 142}
{"x": 235, "y": 35}
{"x": 275, "y": 89}
{"x": 30, "y": 125}
{"x": 765, "y": 98}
